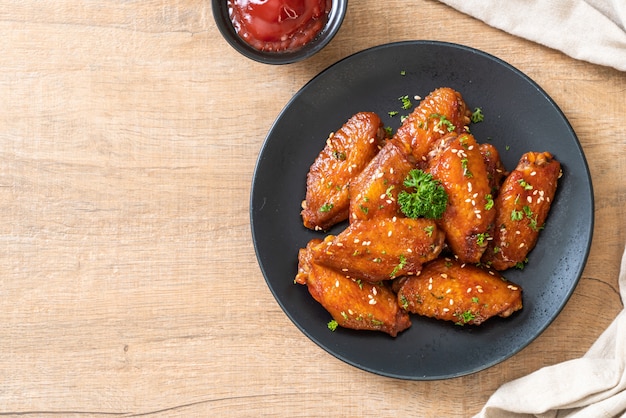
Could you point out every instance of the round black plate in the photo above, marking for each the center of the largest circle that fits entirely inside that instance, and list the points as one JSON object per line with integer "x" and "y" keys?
{"x": 519, "y": 117}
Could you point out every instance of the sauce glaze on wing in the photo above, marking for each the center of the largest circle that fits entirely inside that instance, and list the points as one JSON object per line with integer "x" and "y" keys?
{"x": 522, "y": 208}
{"x": 458, "y": 164}
{"x": 381, "y": 248}
{"x": 346, "y": 153}
{"x": 374, "y": 193}
{"x": 441, "y": 112}
{"x": 353, "y": 304}
{"x": 449, "y": 290}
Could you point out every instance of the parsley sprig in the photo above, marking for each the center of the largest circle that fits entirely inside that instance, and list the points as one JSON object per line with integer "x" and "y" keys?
{"x": 428, "y": 200}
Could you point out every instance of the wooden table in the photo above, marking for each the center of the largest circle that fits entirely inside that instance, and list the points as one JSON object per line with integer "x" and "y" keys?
{"x": 128, "y": 281}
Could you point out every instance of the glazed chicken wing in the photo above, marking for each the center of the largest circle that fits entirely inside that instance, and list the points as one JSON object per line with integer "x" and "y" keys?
{"x": 458, "y": 164}
{"x": 381, "y": 248}
{"x": 522, "y": 208}
{"x": 353, "y": 304}
{"x": 496, "y": 172}
{"x": 449, "y": 290}
{"x": 346, "y": 153}
{"x": 441, "y": 112}
{"x": 374, "y": 193}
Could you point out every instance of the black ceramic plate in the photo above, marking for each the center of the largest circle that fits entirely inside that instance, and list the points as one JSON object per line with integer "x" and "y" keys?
{"x": 519, "y": 117}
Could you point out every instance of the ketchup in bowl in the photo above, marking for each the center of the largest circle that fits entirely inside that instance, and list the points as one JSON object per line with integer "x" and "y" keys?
{"x": 278, "y": 25}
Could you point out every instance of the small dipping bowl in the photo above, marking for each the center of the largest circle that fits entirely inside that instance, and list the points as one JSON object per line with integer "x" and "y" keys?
{"x": 225, "y": 25}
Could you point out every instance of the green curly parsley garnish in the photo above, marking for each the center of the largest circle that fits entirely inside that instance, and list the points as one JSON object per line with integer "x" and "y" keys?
{"x": 428, "y": 199}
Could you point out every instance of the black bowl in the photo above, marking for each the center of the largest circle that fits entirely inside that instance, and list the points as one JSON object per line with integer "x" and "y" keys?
{"x": 224, "y": 24}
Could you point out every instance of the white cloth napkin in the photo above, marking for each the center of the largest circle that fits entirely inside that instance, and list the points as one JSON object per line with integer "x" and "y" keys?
{"x": 592, "y": 386}
{"x": 590, "y": 30}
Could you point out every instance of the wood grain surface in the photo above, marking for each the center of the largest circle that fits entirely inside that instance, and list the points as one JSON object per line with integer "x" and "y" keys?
{"x": 129, "y": 285}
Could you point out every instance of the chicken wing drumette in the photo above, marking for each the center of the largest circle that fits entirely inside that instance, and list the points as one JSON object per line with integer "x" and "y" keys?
{"x": 522, "y": 208}
{"x": 449, "y": 290}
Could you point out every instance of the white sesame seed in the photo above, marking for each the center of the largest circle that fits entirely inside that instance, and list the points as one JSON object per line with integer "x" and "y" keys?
{"x": 446, "y": 310}
{"x": 451, "y": 301}
{"x": 337, "y": 283}
{"x": 372, "y": 302}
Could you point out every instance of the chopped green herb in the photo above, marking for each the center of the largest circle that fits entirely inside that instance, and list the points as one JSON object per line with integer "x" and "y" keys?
{"x": 481, "y": 238}
{"x": 364, "y": 209}
{"x": 516, "y": 215}
{"x": 477, "y": 116}
{"x": 393, "y": 113}
{"x": 406, "y": 102}
{"x": 475, "y": 299}
{"x": 402, "y": 72}
{"x": 341, "y": 156}
{"x": 521, "y": 264}
{"x": 489, "y": 203}
{"x": 465, "y": 317}
{"x": 332, "y": 325}
{"x": 429, "y": 199}
{"x": 443, "y": 121}
{"x": 524, "y": 184}
{"x": 404, "y": 303}
{"x": 388, "y": 131}
{"x": 466, "y": 171}
{"x": 429, "y": 230}
{"x": 326, "y": 207}
{"x": 398, "y": 267}
{"x": 388, "y": 191}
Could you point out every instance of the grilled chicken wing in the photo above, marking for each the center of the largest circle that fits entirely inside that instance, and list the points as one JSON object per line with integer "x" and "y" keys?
{"x": 496, "y": 172}
{"x": 449, "y": 290}
{"x": 381, "y": 248}
{"x": 353, "y": 304}
{"x": 458, "y": 164}
{"x": 374, "y": 193}
{"x": 441, "y": 112}
{"x": 346, "y": 153}
{"x": 522, "y": 208}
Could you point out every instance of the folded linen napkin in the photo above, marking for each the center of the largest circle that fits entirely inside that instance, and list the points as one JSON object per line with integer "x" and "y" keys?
{"x": 590, "y": 30}
{"x": 592, "y": 386}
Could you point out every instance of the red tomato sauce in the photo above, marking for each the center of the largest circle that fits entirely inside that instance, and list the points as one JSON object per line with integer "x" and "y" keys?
{"x": 278, "y": 25}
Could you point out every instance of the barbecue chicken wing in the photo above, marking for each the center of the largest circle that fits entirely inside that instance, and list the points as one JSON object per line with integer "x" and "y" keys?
{"x": 496, "y": 172}
{"x": 374, "y": 193}
{"x": 381, "y": 248}
{"x": 449, "y": 290}
{"x": 458, "y": 164}
{"x": 522, "y": 208}
{"x": 353, "y": 304}
{"x": 441, "y": 112}
{"x": 345, "y": 154}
